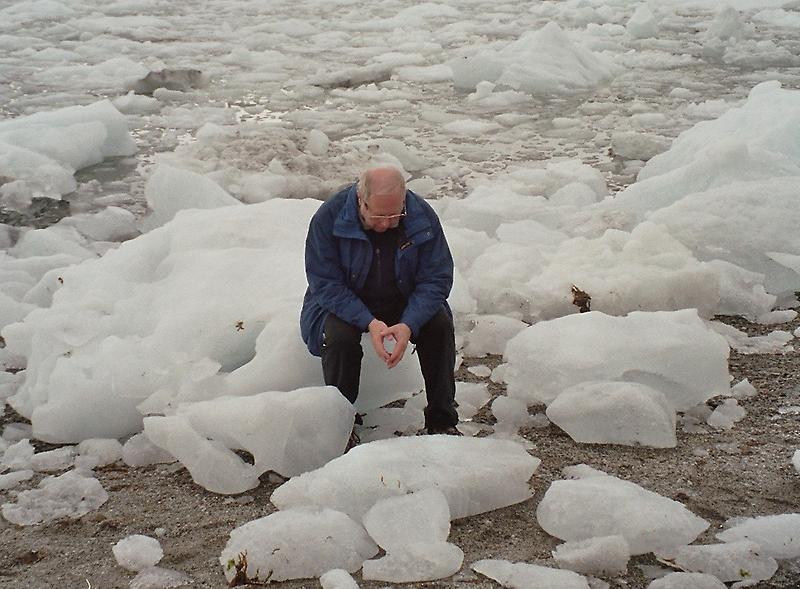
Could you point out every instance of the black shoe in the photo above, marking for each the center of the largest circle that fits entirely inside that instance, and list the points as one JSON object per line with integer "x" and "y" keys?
{"x": 352, "y": 442}
{"x": 447, "y": 430}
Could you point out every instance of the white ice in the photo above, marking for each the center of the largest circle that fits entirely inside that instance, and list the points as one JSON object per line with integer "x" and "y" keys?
{"x": 519, "y": 574}
{"x": 687, "y": 581}
{"x": 734, "y": 561}
{"x": 297, "y": 544}
{"x": 337, "y": 579}
{"x": 137, "y": 552}
{"x": 386, "y": 468}
{"x": 140, "y": 451}
{"x": 585, "y": 508}
{"x": 413, "y": 531}
{"x": 777, "y": 535}
{"x": 601, "y": 555}
{"x": 674, "y": 353}
{"x": 71, "y": 495}
{"x": 603, "y": 412}
{"x": 159, "y": 578}
{"x": 285, "y": 432}
{"x": 726, "y": 414}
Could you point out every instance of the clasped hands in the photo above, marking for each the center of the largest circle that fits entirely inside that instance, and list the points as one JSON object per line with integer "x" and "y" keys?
{"x": 380, "y": 333}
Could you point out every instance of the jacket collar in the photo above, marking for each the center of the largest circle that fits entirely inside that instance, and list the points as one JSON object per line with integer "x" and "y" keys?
{"x": 348, "y": 224}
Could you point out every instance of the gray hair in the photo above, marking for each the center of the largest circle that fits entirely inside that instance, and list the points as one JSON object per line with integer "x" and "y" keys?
{"x": 364, "y": 186}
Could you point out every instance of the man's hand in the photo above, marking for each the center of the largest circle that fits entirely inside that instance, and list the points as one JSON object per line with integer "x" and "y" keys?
{"x": 401, "y": 333}
{"x": 376, "y": 330}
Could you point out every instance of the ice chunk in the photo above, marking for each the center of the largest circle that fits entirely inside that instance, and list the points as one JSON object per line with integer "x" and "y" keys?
{"x": 170, "y": 189}
{"x": 726, "y": 414}
{"x": 672, "y": 352}
{"x": 734, "y": 561}
{"x": 211, "y": 464}
{"x": 140, "y": 451}
{"x": 298, "y": 544}
{"x": 796, "y": 460}
{"x": 17, "y": 431}
{"x": 422, "y": 561}
{"x": 413, "y": 530}
{"x": 643, "y": 23}
{"x": 71, "y": 494}
{"x": 337, "y": 579}
{"x": 743, "y": 390}
{"x": 159, "y": 578}
{"x": 385, "y": 468}
{"x": 287, "y": 432}
{"x": 58, "y": 459}
{"x": 471, "y": 396}
{"x": 105, "y": 450}
{"x": 604, "y": 555}
{"x": 634, "y": 145}
{"x": 395, "y": 522}
{"x": 576, "y": 510}
{"x": 687, "y": 581}
{"x": 520, "y": 574}
{"x": 777, "y": 535}
{"x": 18, "y": 456}
{"x": 511, "y": 415}
{"x": 137, "y": 552}
{"x": 490, "y": 334}
{"x": 12, "y": 479}
{"x": 605, "y": 412}
{"x": 318, "y": 143}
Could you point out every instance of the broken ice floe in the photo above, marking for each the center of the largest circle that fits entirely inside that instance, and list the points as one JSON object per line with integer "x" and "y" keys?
{"x": 628, "y": 413}
{"x": 686, "y": 581}
{"x": 304, "y": 429}
{"x": 601, "y": 555}
{"x": 71, "y": 495}
{"x": 137, "y": 552}
{"x": 386, "y": 468}
{"x": 520, "y": 574}
{"x": 297, "y": 544}
{"x": 734, "y": 561}
{"x": 413, "y": 531}
{"x": 575, "y": 510}
{"x": 778, "y": 536}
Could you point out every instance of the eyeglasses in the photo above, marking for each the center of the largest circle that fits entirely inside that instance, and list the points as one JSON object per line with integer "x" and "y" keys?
{"x": 396, "y": 217}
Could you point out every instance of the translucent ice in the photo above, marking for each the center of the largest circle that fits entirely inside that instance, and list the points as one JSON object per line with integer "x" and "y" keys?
{"x": 687, "y": 581}
{"x": 58, "y": 459}
{"x": 413, "y": 531}
{"x": 726, "y": 414}
{"x": 18, "y": 456}
{"x": 12, "y": 479}
{"x": 576, "y": 510}
{"x": 777, "y": 535}
{"x": 140, "y": 451}
{"x": 672, "y": 352}
{"x": 159, "y": 578}
{"x": 137, "y": 552}
{"x": 734, "y": 561}
{"x": 298, "y": 544}
{"x": 105, "y": 450}
{"x": 519, "y": 574}
{"x": 604, "y": 555}
{"x": 337, "y": 579}
{"x": 212, "y": 465}
{"x": 69, "y": 495}
{"x": 457, "y": 466}
{"x": 605, "y": 412}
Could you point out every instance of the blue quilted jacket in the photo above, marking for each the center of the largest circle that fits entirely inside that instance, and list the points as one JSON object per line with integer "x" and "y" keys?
{"x": 339, "y": 254}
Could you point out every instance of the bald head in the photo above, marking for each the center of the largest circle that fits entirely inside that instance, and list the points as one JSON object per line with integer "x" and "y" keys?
{"x": 384, "y": 181}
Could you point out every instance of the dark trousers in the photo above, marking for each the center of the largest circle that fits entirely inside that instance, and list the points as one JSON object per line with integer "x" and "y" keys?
{"x": 435, "y": 347}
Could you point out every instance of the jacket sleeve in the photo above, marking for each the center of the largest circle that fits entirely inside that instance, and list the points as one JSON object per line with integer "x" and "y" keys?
{"x": 327, "y": 276}
{"x": 433, "y": 278}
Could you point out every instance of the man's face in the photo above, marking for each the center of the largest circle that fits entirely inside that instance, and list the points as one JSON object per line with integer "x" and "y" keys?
{"x": 382, "y": 211}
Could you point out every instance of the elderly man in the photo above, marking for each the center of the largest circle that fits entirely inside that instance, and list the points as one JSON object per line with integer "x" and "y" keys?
{"x": 377, "y": 261}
